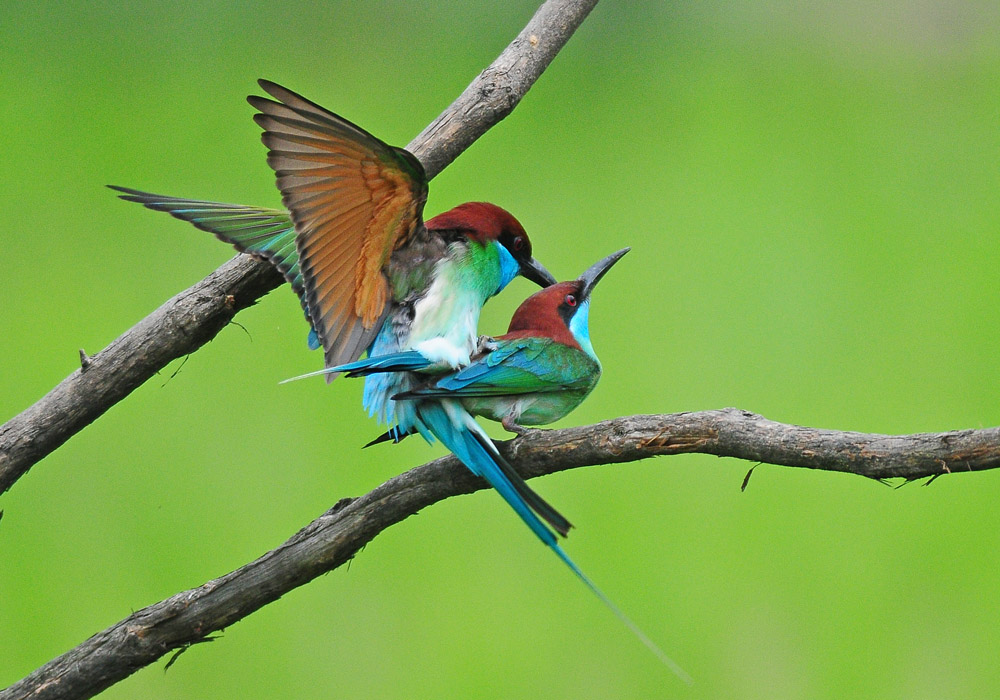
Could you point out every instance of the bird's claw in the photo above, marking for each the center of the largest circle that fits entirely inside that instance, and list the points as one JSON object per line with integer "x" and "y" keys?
{"x": 485, "y": 344}
{"x": 511, "y": 427}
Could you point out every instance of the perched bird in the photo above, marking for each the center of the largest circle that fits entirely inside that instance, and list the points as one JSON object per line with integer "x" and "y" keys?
{"x": 370, "y": 274}
{"x": 539, "y": 371}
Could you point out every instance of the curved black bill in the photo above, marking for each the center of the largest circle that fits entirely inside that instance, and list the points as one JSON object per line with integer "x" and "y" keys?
{"x": 533, "y": 270}
{"x": 595, "y": 272}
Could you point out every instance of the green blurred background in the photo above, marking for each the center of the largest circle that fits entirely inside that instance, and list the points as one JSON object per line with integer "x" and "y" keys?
{"x": 811, "y": 194}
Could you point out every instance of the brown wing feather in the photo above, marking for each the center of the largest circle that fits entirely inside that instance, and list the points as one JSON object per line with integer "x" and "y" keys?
{"x": 354, "y": 200}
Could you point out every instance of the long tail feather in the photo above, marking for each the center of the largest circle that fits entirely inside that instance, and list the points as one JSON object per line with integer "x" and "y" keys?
{"x": 625, "y": 619}
{"x": 459, "y": 432}
{"x": 397, "y": 362}
{"x": 317, "y": 373}
{"x": 393, "y": 434}
{"x": 534, "y": 501}
{"x": 409, "y": 361}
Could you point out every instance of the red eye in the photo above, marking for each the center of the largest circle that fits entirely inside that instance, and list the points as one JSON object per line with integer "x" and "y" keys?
{"x": 570, "y": 300}
{"x": 519, "y": 243}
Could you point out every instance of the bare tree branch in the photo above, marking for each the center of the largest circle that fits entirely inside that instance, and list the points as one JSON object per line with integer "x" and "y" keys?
{"x": 498, "y": 89}
{"x": 337, "y": 535}
{"x": 192, "y": 318}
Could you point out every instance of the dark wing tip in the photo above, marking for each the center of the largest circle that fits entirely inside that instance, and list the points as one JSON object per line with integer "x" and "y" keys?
{"x": 132, "y": 195}
{"x": 147, "y": 199}
{"x": 260, "y": 103}
{"x": 270, "y": 87}
{"x": 279, "y": 92}
{"x": 263, "y": 121}
{"x": 296, "y": 102}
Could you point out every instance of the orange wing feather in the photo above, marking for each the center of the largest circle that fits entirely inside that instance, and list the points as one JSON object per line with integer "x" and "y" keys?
{"x": 354, "y": 200}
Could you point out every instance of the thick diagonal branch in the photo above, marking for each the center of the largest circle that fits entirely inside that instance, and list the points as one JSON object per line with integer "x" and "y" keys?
{"x": 192, "y": 318}
{"x": 338, "y": 535}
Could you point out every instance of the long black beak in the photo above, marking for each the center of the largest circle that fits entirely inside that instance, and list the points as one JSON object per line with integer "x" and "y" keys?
{"x": 536, "y": 272}
{"x": 595, "y": 272}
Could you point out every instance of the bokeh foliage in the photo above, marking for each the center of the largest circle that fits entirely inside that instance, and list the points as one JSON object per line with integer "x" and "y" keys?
{"x": 811, "y": 193}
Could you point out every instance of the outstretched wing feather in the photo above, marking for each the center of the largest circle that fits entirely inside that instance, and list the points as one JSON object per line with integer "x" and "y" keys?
{"x": 353, "y": 200}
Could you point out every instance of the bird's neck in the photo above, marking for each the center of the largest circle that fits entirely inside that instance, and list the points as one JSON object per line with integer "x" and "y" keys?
{"x": 446, "y": 317}
{"x": 579, "y": 326}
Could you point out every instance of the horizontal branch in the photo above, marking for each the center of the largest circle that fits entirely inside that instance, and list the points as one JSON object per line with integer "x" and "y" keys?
{"x": 192, "y": 318}
{"x": 731, "y": 432}
{"x": 336, "y": 536}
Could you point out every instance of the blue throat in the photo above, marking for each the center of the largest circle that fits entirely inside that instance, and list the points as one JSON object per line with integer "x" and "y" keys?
{"x": 579, "y": 326}
{"x": 509, "y": 268}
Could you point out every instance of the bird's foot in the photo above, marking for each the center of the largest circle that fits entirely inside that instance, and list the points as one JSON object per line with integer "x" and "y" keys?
{"x": 511, "y": 427}
{"x": 485, "y": 344}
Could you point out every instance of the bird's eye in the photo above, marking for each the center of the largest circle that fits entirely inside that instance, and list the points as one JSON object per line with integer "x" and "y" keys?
{"x": 570, "y": 300}
{"x": 519, "y": 243}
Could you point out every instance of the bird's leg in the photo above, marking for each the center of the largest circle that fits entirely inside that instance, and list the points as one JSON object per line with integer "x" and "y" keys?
{"x": 511, "y": 427}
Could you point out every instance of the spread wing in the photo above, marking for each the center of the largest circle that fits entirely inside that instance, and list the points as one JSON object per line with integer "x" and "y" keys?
{"x": 353, "y": 199}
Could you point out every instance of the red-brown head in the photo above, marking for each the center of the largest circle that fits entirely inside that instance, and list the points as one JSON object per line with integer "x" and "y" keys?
{"x": 484, "y": 223}
{"x": 560, "y": 311}
{"x": 543, "y": 314}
